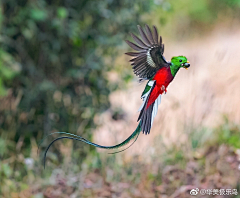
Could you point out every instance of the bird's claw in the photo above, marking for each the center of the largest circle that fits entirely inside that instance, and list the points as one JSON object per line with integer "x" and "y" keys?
{"x": 164, "y": 89}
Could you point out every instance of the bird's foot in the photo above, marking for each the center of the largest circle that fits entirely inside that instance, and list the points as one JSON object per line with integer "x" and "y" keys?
{"x": 164, "y": 89}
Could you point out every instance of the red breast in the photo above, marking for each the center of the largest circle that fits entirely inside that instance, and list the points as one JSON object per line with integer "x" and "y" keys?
{"x": 163, "y": 77}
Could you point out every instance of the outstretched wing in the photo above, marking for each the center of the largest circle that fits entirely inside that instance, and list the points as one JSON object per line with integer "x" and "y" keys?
{"x": 149, "y": 58}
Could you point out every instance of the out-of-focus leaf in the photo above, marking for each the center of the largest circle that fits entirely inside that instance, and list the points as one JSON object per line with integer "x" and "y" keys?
{"x": 6, "y": 170}
{"x": 2, "y": 142}
{"x": 38, "y": 15}
{"x": 46, "y": 85}
{"x": 62, "y": 12}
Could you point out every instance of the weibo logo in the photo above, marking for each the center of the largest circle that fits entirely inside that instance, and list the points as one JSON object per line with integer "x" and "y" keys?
{"x": 194, "y": 191}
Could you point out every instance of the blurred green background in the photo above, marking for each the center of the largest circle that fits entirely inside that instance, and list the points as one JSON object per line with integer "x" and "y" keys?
{"x": 55, "y": 61}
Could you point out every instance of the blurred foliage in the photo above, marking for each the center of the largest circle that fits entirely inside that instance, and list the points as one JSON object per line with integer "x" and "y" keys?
{"x": 54, "y": 62}
{"x": 8, "y": 69}
{"x": 183, "y": 18}
{"x": 228, "y": 134}
{"x": 61, "y": 52}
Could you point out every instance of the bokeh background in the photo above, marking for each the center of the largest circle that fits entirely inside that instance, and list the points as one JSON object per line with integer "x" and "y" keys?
{"x": 63, "y": 68}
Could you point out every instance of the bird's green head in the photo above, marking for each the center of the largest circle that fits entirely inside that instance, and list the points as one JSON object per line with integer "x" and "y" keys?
{"x": 180, "y": 61}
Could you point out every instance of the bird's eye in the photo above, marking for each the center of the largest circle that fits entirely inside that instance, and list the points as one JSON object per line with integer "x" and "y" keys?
{"x": 180, "y": 61}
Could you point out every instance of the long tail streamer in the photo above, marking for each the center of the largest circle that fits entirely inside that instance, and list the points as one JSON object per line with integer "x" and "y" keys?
{"x": 79, "y": 138}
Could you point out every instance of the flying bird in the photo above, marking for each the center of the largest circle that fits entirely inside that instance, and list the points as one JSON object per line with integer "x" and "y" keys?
{"x": 148, "y": 63}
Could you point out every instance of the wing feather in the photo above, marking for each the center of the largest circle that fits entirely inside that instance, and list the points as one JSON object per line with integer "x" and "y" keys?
{"x": 143, "y": 35}
{"x": 134, "y": 53}
{"x": 139, "y": 41}
{"x": 160, "y": 41}
{"x": 149, "y": 58}
{"x": 136, "y": 59}
{"x": 149, "y": 34}
{"x": 155, "y": 34}
{"x": 134, "y": 46}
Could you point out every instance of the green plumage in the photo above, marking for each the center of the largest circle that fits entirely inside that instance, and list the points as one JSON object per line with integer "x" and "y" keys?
{"x": 79, "y": 138}
{"x": 147, "y": 88}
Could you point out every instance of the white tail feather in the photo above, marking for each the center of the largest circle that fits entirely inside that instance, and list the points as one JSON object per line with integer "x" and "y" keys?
{"x": 155, "y": 108}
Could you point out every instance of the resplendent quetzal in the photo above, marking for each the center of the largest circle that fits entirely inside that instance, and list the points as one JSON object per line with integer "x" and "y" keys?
{"x": 148, "y": 64}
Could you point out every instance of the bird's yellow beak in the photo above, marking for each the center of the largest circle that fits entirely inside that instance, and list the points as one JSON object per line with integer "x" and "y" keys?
{"x": 186, "y": 65}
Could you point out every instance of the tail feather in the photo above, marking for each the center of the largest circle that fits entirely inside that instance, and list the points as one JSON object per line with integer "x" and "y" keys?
{"x": 149, "y": 107}
{"x": 79, "y": 138}
{"x": 128, "y": 146}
